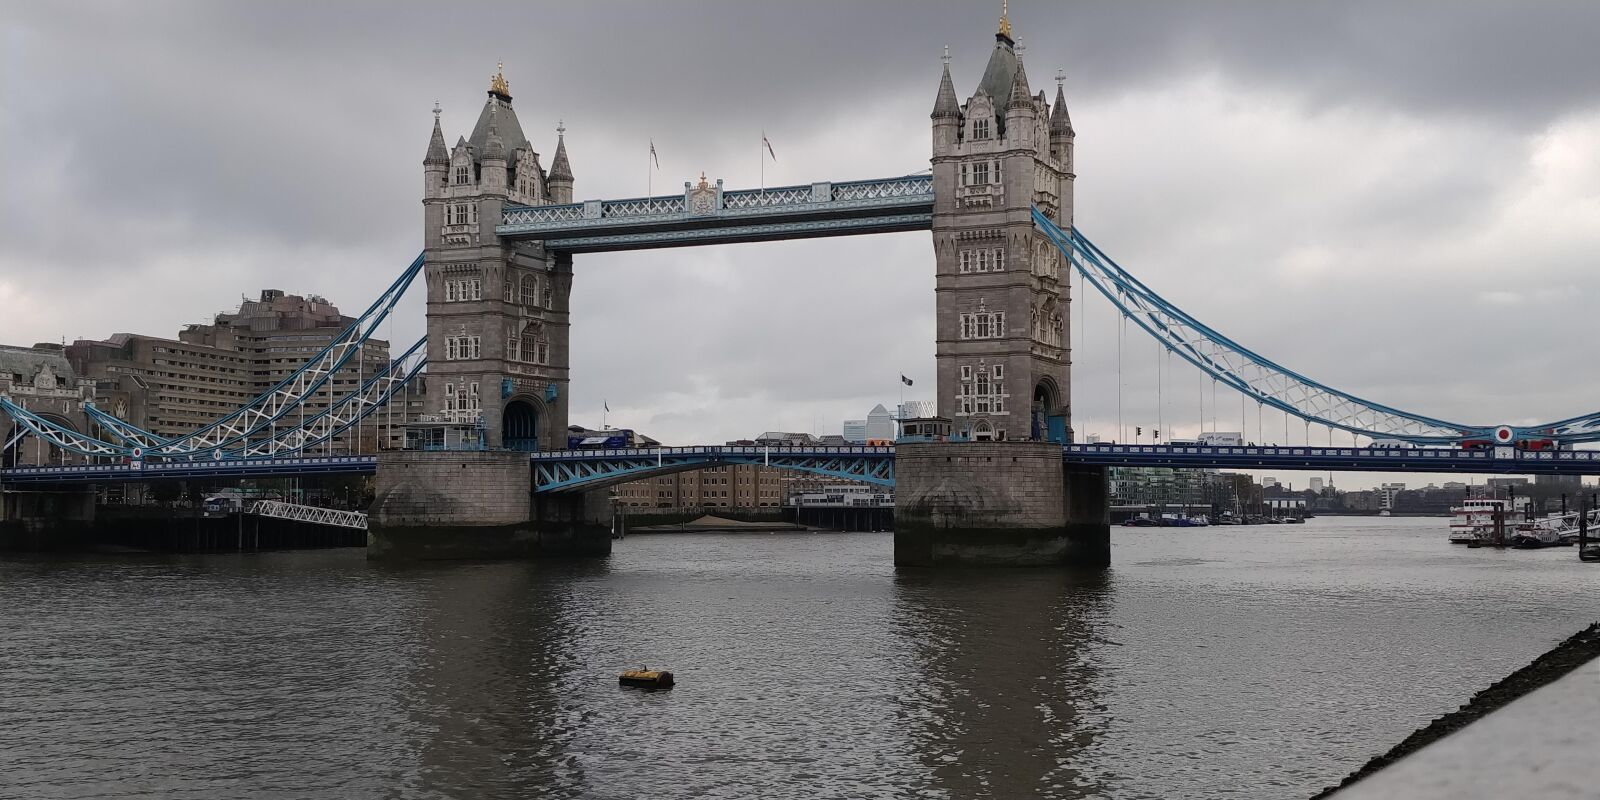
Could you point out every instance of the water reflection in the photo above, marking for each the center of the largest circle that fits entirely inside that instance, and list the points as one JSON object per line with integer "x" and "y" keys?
{"x": 1245, "y": 663}
{"x": 1003, "y": 700}
{"x": 484, "y": 693}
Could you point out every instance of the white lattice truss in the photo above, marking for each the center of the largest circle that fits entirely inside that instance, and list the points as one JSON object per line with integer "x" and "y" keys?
{"x": 1239, "y": 368}
{"x": 278, "y": 403}
{"x": 311, "y": 514}
{"x": 55, "y": 435}
{"x": 238, "y": 429}
{"x": 344, "y": 414}
{"x": 642, "y": 207}
{"x": 784, "y": 196}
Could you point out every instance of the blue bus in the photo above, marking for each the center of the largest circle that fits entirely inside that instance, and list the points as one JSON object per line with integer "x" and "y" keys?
{"x": 610, "y": 439}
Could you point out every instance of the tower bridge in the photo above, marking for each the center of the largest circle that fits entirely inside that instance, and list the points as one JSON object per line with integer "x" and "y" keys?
{"x": 500, "y": 233}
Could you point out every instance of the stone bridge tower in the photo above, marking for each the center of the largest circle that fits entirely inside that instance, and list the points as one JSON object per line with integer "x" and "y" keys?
{"x": 497, "y": 310}
{"x": 1002, "y": 288}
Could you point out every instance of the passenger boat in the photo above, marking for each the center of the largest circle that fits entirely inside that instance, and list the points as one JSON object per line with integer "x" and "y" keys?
{"x": 1535, "y": 534}
{"x": 1474, "y": 521}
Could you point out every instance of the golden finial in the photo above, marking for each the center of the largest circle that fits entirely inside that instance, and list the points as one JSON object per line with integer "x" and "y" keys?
{"x": 497, "y": 84}
{"x": 1005, "y": 24}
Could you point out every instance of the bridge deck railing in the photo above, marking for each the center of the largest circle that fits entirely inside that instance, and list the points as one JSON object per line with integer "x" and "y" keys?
{"x": 814, "y": 198}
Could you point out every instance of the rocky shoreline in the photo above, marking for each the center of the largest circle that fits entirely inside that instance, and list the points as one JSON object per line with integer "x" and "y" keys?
{"x": 1576, "y": 651}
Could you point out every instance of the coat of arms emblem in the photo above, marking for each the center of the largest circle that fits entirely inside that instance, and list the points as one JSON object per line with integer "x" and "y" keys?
{"x": 703, "y": 198}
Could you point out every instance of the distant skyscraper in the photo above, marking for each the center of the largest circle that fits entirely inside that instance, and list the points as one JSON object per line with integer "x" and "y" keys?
{"x": 855, "y": 430}
{"x": 918, "y": 409}
{"x": 880, "y": 423}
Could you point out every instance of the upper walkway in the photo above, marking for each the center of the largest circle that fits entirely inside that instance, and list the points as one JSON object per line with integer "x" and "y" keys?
{"x": 709, "y": 214}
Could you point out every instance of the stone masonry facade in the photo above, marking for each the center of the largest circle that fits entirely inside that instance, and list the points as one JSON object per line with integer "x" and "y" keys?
{"x": 498, "y": 311}
{"x": 1003, "y": 354}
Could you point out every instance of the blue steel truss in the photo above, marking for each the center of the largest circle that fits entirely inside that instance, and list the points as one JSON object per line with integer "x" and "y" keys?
{"x": 1504, "y": 460}
{"x": 1239, "y": 368}
{"x": 708, "y": 214}
{"x": 342, "y": 415}
{"x": 585, "y": 470}
{"x": 276, "y": 403}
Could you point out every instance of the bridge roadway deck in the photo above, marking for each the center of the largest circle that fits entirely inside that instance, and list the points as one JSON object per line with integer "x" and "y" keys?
{"x": 583, "y": 470}
{"x": 166, "y": 470}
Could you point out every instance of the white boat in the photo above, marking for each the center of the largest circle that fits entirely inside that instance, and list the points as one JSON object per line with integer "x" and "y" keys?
{"x": 1473, "y": 521}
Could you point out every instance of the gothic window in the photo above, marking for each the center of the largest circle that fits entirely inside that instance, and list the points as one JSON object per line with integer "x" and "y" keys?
{"x": 980, "y": 173}
{"x": 983, "y": 326}
{"x": 477, "y": 289}
{"x": 530, "y": 290}
{"x": 966, "y": 260}
{"x": 980, "y": 129}
{"x": 449, "y": 291}
{"x": 458, "y": 348}
{"x": 449, "y": 397}
{"x": 982, "y": 391}
{"x": 507, "y": 294}
{"x": 463, "y": 174}
{"x": 458, "y": 213}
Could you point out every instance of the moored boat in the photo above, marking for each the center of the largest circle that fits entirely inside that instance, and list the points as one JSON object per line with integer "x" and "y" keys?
{"x": 1473, "y": 521}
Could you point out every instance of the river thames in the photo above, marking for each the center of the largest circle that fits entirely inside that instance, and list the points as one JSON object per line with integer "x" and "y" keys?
{"x": 1260, "y": 662}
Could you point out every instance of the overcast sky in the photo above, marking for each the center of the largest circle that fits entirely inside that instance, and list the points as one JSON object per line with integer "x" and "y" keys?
{"x": 1400, "y": 200}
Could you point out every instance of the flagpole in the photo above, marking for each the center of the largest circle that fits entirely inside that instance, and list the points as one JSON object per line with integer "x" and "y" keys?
{"x": 762, "y": 154}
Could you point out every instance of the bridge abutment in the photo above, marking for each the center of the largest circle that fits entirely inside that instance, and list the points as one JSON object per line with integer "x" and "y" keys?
{"x": 443, "y": 505}
{"x": 34, "y": 521}
{"x": 998, "y": 504}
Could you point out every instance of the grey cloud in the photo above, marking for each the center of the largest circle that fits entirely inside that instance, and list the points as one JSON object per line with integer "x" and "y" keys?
{"x": 1334, "y": 183}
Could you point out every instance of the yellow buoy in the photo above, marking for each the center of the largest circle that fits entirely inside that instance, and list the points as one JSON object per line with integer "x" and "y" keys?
{"x": 647, "y": 678}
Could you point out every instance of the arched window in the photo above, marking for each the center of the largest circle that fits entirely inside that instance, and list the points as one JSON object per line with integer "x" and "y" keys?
{"x": 530, "y": 290}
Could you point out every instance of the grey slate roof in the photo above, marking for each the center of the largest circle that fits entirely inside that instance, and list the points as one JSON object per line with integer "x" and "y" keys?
{"x": 437, "y": 154}
{"x": 560, "y": 170}
{"x": 26, "y": 362}
{"x": 946, "y": 104}
{"x": 1059, "y": 121}
{"x": 1001, "y": 73}
{"x": 497, "y": 113}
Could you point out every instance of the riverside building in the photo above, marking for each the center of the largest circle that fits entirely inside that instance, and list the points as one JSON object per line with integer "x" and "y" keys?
{"x": 172, "y": 387}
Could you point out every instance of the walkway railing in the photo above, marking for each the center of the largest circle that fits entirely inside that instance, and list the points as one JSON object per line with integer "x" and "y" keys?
{"x": 314, "y": 515}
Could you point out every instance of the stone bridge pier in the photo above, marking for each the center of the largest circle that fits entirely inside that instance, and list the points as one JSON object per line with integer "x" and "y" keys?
{"x": 477, "y": 504}
{"x": 998, "y": 504}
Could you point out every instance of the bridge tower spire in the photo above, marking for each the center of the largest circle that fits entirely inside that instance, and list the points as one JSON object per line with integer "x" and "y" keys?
{"x": 497, "y": 310}
{"x": 1001, "y": 289}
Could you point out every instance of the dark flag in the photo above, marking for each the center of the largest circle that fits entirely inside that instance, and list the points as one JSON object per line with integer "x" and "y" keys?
{"x": 905, "y": 380}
